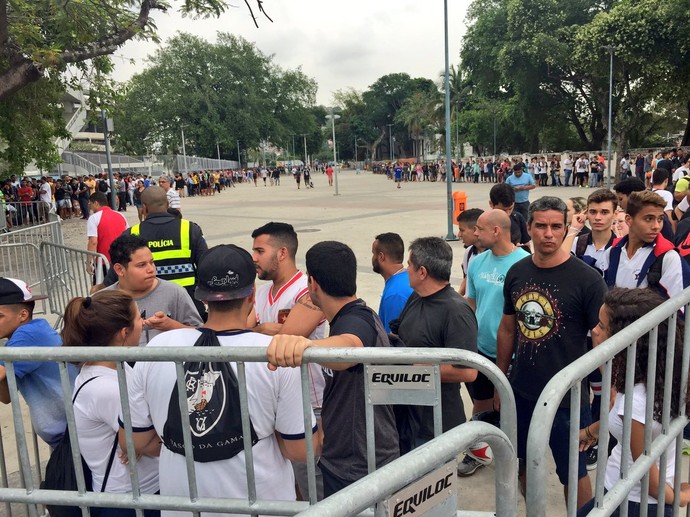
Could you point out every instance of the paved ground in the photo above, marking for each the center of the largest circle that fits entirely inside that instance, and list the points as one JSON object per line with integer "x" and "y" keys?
{"x": 367, "y": 205}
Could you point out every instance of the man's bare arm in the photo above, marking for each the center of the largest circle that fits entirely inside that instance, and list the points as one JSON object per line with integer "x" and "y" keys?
{"x": 303, "y": 319}
{"x": 285, "y": 350}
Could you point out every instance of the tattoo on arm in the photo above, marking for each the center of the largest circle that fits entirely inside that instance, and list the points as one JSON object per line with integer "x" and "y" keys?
{"x": 306, "y": 302}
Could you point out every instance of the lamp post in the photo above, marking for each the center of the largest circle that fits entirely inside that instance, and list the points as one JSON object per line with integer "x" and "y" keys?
{"x": 611, "y": 49}
{"x": 457, "y": 134}
{"x": 449, "y": 171}
{"x": 305, "y": 149}
{"x": 107, "y": 128}
{"x": 390, "y": 142}
{"x": 239, "y": 156}
{"x": 333, "y": 118}
{"x": 184, "y": 151}
{"x": 218, "y": 151}
{"x": 355, "y": 150}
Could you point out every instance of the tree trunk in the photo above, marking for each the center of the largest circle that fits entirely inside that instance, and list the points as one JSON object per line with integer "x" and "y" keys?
{"x": 686, "y": 135}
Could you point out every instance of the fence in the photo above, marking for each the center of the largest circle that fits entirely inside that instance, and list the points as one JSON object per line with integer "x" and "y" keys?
{"x": 570, "y": 379}
{"x": 69, "y": 272}
{"x": 439, "y": 450}
{"x": 18, "y": 214}
{"x": 21, "y": 260}
{"x": 47, "y": 232}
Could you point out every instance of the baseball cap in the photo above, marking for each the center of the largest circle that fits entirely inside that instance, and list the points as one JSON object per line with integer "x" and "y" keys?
{"x": 225, "y": 272}
{"x": 13, "y": 291}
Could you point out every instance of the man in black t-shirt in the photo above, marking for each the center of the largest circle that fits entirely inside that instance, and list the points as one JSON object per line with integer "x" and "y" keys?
{"x": 546, "y": 317}
{"x": 436, "y": 316}
{"x": 332, "y": 271}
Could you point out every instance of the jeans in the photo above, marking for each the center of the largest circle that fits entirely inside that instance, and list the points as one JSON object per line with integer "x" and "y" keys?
{"x": 633, "y": 509}
{"x": 568, "y": 173}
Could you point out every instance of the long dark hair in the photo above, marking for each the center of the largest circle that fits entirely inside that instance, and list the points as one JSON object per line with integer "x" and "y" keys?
{"x": 96, "y": 320}
{"x": 625, "y": 306}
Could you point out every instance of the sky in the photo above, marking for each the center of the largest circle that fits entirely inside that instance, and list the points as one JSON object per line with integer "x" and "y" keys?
{"x": 340, "y": 44}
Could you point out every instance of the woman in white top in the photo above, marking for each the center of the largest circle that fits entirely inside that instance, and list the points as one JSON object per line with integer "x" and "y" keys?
{"x": 109, "y": 318}
{"x": 621, "y": 308}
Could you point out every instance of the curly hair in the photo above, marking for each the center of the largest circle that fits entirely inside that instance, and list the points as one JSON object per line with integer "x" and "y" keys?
{"x": 625, "y": 306}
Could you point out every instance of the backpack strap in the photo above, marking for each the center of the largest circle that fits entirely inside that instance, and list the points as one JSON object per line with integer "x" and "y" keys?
{"x": 112, "y": 450}
{"x": 581, "y": 245}
{"x": 654, "y": 273}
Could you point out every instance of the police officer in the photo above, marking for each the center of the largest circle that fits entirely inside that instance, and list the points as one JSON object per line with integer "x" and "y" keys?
{"x": 176, "y": 244}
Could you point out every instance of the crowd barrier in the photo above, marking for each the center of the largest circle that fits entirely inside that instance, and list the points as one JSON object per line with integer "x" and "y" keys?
{"x": 22, "y": 260}
{"x": 69, "y": 272}
{"x": 570, "y": 380}
{"x": 417, "y": 465}
{"x": 50, "y": 231}
{"x": 20, "y": 214}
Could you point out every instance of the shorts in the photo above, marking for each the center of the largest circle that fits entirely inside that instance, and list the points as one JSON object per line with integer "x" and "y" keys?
{"x": 64, "y": 203}
{"x": 482, "y": 388}
{"x": 560, "y": 435}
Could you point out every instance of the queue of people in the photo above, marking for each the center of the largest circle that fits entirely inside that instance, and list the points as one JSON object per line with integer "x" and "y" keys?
{"x": 516, "y": 308}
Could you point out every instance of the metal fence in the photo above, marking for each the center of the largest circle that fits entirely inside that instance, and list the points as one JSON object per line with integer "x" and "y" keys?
{"x": 50, "y": 231}
{"x": 22, "y": 260}
{"x": 570, "y": 380}
{"x": 69, "y": 272}
{"x": 20, "y": 214}
{"x": 416, "y": 466}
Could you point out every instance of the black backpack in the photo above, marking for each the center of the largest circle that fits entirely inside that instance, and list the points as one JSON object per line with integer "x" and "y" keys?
{"x": 102, "y": 186}
{"x": 213, "y": 402}
{"x": 60, "y": 473}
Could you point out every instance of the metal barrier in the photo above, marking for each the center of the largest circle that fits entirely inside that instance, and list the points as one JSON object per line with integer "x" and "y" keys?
{"x": 403, "y": 471}
{"x": 48, "y": 232}
{"x": 570, "y": 379}
{"x": 440, "y": 449}
{"x": 22, "y": 260}
{"x": 68, "y": 272}
{"x": 20, "y": 214}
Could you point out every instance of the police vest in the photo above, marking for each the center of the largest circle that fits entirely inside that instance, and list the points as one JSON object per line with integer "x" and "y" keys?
{"x": 172, "y": 255}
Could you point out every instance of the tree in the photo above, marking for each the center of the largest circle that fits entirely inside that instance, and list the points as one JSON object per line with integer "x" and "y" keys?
{"x": 46, "y": 45}
{"x": 220, "y": 93}
{"x": 418, "y": 113}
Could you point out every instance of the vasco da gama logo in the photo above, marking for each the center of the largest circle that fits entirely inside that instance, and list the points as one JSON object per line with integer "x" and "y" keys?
{"x": 201, "y": 388}
{"x": 537, "y": 314}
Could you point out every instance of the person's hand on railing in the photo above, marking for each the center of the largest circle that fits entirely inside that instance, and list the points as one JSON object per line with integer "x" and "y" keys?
{"x": 284, "y": 350}
{"x": 589, "y": 436}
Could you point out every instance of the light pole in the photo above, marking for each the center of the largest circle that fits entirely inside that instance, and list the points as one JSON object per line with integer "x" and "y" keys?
{"x": 107, "y": 128}
{"x": 355, "y": 150}
{"x": 390, "y": 142}
{"x": 333, "y": 118}
{"x": 239, "y": 156}
{"x": 305, "y": 149}
{"x": 611, "y": 49}
{"x": 457, "y": 135}
{"x": 494, "y": 134}
{"x": 184, "y": 151}
{"x": 449, "y": 171}
{"x": 218, "y": 151}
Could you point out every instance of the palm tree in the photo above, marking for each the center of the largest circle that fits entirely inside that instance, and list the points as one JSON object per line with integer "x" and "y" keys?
{"x": 417, "y": 113}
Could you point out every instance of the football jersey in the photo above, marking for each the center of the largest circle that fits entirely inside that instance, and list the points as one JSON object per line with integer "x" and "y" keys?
{"x": 275, "y": 309}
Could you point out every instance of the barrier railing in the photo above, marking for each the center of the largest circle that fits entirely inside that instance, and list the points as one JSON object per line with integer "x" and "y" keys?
{"x": 440, "y": 449}
{"x": 570, "y": 379}
{"x": 47, "y": 232}
{"x": 22, "y": 260}
{"x": 20, "y": 214}
{"x": 69, "y": 272}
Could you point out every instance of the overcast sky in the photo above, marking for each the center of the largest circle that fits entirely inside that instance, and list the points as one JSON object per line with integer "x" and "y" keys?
{"x": 340, "y": 44}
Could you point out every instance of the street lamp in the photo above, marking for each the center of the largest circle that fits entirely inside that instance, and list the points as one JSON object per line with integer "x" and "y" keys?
{"x": 390, "y": 142}
{"x": 611, "y": 49}
{"x": 184, "y": 151}
{"x": 305, "y": 149}
{"x": 107, "y": 128}
{"x": 333, "y": 118}
{"x": 449, "y": 171}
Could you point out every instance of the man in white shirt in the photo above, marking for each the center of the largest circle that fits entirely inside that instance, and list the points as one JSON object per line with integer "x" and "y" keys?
{"x": 172, "y": 195}
{"x": 581, "y": 166}
{"x": 45, "y": 195}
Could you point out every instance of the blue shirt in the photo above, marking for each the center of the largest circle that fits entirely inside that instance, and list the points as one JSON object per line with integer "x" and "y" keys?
{"x": 485, "y": 279}
{"x": 39, "y": 381}
{"x": 521, "y": 196}
{"x": 394, "y": 297}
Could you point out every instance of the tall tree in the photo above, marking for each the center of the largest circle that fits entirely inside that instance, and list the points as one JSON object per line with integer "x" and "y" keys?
{"x": 221, "y": 93}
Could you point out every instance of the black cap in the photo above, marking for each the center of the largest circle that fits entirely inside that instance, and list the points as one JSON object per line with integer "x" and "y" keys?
{"x": 13, "y": 291}
{"x": 518, "y": 166}
{"x": 225, "y": 272}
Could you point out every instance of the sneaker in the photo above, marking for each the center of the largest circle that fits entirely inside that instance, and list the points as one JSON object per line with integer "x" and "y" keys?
{"x": 468, "y": 466}
{"x": 592, "y": 456}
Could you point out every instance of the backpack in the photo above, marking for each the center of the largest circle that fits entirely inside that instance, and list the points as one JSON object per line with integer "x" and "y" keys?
{"x": 213, "y": 404}
{"x": 60, "y": 473}
{"x": 581, "y": 245}
{"x": 103, "y": 186}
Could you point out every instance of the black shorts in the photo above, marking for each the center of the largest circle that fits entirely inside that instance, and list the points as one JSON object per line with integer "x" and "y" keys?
{"x": 482, "y": 388}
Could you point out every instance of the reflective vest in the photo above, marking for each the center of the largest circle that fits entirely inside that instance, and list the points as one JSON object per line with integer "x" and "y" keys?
{"x": 172, "y": 255}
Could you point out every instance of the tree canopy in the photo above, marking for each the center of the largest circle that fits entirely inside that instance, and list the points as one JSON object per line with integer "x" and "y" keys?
{"x": 46, "y": 45}
{"x": 220, "y": 93}
{"x": 545, "y": 63}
